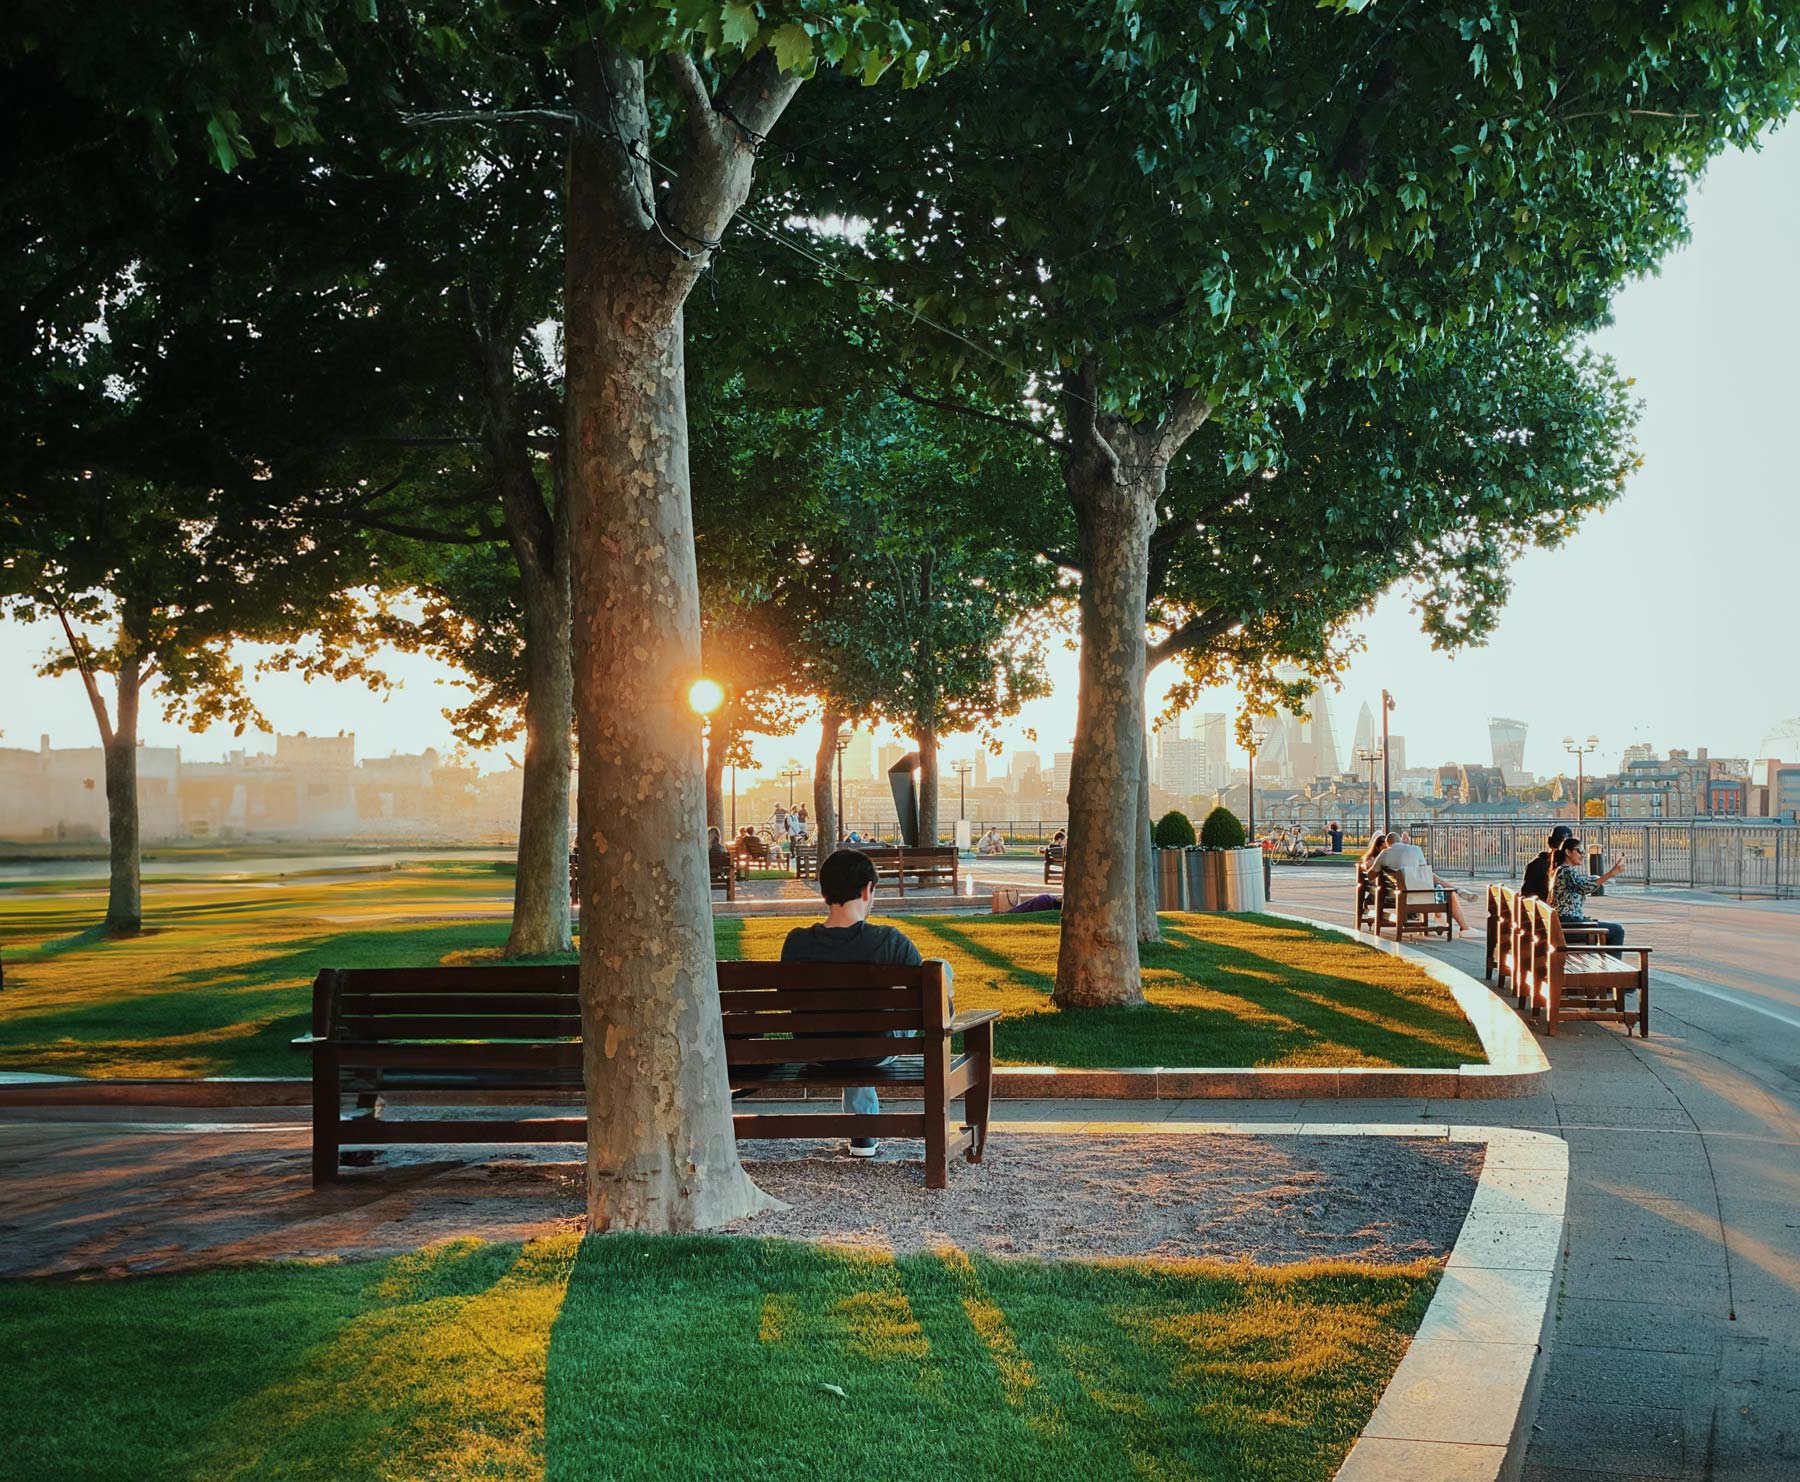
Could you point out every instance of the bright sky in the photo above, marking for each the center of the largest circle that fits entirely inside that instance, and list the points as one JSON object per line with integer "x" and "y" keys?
{"x": 1667, "y": 619}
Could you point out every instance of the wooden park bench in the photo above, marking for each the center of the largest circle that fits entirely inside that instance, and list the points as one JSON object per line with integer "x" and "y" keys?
{"x": 1511, "y": 940}
{"x": 1411, "y": 907}
{"x": 932, "y": 866}
{"x": 1055, "y": 858}
{"x": 518, "y": 1029}
{"x": 1367, "y": 896}
{"x": 1579, "y": 979}
{"x": 722, "y": 869}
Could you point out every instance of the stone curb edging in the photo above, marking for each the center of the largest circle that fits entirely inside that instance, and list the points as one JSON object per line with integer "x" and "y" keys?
{"x": 1516, "y": 1067}
{"x": 1460, "y": 1406}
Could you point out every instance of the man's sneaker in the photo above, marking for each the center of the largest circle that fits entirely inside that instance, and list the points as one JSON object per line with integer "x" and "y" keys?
{"x": 864, "y": 1147}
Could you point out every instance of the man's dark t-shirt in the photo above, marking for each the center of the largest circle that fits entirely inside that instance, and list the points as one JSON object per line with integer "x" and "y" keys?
{"x": 1536, "y": 884}
{"x": 860, "y": 943}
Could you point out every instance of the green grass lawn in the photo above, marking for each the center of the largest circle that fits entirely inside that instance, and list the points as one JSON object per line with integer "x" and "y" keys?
{"x": 221, "y": 980}
{"x": 700, "y": 1358}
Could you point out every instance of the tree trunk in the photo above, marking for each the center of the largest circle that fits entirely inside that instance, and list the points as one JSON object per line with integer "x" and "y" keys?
{"x": 661, "y": 1155}
{"x": 928, "y": 786}
{"x": 538, "y": 534}
{"x": 1148, "y": 929}
{"x": 1114, "y": 473}
{"x": 825, "y": 819}
{"x": 1098, "y": 960}
{"x": 124, "y": 888}
{"x": 540, "y": 923}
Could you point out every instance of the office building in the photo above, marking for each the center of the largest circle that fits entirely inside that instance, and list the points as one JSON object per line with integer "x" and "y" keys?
{"x": 890, "y": 755}
{"x": 859, "y": 757}
{"x": 1507, "y": 739}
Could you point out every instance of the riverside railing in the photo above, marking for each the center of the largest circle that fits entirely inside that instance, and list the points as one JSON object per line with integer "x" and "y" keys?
{"x": 1744, "y": 859}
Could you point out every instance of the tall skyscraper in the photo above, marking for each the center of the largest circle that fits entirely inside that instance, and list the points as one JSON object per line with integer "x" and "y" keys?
{"x": 980, "y": 776}
{"x": 1024, "y": 766}
{"x": 1213, "y": 733}
{"x": 1507, "y": 738}
{"x": 1365, "y": 731}
{"x": 1059, "y": 775}
{"x": 1312, "y": 742}
{"x": 1396, "y": 747}
{"x": 889, "y": 755}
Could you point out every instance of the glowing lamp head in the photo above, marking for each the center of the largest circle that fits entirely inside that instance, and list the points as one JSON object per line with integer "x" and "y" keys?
{"x": 705, "y": 696}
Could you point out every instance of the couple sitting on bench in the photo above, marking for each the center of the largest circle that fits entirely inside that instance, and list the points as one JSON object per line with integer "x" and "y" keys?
{"x": 1397, "y": 852}
{"x": 1556, "y": 875}
{"x": 847, "y": 881}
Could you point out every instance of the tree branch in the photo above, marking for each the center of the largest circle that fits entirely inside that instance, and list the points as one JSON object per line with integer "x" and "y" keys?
{"x": 1018, "y": 424}
{"x": 488, "y": 118}
{"x": 699, "y": 103}
{"x": 95, "y": 698}
{"x": 1187, "y": 413}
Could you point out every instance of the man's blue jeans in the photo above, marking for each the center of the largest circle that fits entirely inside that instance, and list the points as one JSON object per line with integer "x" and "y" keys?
{"x": 862, "y": 1100}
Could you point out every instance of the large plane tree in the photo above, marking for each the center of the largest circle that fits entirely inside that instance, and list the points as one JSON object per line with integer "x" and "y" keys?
{"x": 1133, "y": 220}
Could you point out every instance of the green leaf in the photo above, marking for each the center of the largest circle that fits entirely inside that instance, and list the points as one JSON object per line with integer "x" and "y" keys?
{"x": 221, "y": 142}
{"x": 738, "y": 25}
{"x": 793, "y": 48}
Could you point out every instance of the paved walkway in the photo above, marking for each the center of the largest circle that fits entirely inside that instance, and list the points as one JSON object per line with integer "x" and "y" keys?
{"x": 1677, "y": 1344}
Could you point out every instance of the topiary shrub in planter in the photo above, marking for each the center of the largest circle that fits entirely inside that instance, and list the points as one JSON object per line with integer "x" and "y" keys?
{"x": 1222, "y": 830}
{"x": 1174, "y": 830}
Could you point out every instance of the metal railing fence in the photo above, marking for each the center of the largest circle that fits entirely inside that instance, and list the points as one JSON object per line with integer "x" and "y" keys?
{"x": 1745, "y": 859}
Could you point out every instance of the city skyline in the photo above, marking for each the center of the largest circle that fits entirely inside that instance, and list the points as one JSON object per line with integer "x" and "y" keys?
{"x": 1672, "y": 597}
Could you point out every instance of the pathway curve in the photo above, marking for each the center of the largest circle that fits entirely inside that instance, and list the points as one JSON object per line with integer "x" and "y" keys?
{"x": 1677, "y": 1339}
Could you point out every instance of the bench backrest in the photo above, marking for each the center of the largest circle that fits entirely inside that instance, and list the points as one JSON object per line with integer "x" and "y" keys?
{"x": 718, "y": 865}
{"x": 400, "y": 1003}
{"x": 844, "y": 1012}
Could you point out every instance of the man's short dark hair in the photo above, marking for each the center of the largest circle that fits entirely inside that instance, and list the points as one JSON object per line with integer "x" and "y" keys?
{"x": 844, "y": 875}
{"x": 1558, "y": 834}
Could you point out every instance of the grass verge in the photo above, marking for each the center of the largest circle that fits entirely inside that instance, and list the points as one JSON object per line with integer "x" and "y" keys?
{"x": 221, "y": 982}
{"x": 629, "y": 1358}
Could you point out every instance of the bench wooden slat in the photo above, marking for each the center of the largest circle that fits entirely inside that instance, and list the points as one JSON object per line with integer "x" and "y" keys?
{"x": 813, "y": 1049}
{"x": 827, "y": 1124}
{"x": 896, "y": 1001}
{"x": 783, "y": 1021}
{"x": 835, "y": 976}
{"x": 376, "y": 1004}
{"x": 372, "y": 1130}
{"x": 538, "y": 978}
{"x": 907, "y": 1070}
{"x": 460, "y": 1026}
{"x": 464, "y": 1055}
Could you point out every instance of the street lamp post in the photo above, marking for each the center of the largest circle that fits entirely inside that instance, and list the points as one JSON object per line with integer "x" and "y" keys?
{"x": 1371, "y": 756}
{"x": 704, "y": 697}
{"x": 1580, "y": 750}
{"x": 790, "y": 771}
{"x": 962, "y": 770}
{"x": 843, "y": 740}
{"x": 1258, "y": 735}
{"x": 1387, "y": 786}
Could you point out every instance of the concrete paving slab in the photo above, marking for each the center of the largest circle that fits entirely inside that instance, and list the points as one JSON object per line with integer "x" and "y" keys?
{"x": 1613, "y": 1439}
{"x": 1701, "y": 1288}
{"x": 1637, "y": 1325}
{"x": 1444, "y": 1391}
{"x": 1671, "y": 1118}
{"x": 1377, "y": 1459}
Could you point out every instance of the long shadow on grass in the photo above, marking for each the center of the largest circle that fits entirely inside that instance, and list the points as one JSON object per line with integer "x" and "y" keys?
{"x": 988, "y": 957}
{"x": 152, "y": 1023}
{"x": 1280, "y": 1013}
{"x": 704, "y": 1357}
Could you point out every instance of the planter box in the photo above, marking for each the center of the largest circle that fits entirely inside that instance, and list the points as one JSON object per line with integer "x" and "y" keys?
{"x": 1225, "y": 880}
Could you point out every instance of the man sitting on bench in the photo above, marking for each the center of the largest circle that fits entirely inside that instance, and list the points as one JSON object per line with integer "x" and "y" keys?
{"x": 847, "y": 881}
{"x": 1536, "y": 884}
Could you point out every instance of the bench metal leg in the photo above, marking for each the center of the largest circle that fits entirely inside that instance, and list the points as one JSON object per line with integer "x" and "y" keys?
{"x": 325, "y": 1117}
{"x": 978, "y": 1044}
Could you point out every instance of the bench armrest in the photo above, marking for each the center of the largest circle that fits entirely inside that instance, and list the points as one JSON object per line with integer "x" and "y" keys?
{"x": 309, "y": 1041}
{"x": 971, "y": 1018}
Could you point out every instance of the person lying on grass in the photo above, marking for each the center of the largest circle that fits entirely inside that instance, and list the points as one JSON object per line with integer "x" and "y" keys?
{"x": 847, "y": 881}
